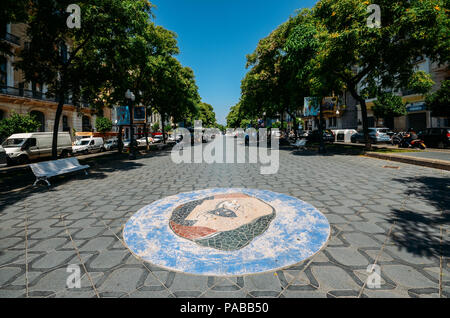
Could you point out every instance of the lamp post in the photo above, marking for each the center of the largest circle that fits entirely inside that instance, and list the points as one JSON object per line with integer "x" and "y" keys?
{"x": 130, "y": 96}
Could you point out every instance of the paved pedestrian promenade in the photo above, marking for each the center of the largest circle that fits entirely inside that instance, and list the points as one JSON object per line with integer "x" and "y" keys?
{"x": 385, "y": 213}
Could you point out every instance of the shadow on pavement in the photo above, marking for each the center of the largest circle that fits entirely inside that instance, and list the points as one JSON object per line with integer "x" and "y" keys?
{"x": 419, "y": 232}
{"x": 18, "y": 184}
{"x": 331, "y": 150}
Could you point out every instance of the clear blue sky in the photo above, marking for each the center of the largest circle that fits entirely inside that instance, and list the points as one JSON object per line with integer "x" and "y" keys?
{"x": 214, "y": 37}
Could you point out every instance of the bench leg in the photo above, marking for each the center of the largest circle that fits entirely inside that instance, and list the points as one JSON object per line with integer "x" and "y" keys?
{"x": 41, "y": 179}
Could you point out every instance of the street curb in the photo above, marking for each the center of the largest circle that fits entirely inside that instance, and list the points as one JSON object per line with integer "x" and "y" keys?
{"x": 431, "y": 163}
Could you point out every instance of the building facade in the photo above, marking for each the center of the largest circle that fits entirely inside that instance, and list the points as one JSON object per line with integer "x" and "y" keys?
{"x": 22, "y": 97}
{"x": 417, "y": 117}
{"x": 339, "y": 111}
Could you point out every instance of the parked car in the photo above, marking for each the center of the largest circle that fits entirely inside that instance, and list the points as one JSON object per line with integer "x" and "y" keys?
{"x": 21, "y": 148}
{"x": 142, "y": 142}
{"x": 176, "y": 138}
{"x": 376, "y": 135}
{"x": 111, "y": 144}
{"x": 304, "y": 133}
{"x": 89, "y": 145}
{"x": 314, "y": 136}
{"x": 2, "y": 156}
{"x": 435, "y": 137}
{"x": 157, "y": 139}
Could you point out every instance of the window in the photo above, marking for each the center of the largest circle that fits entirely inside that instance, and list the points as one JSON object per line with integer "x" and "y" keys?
{"x": 2, "y": 114}
{"x": 3, "y": 73}
{"x": 31, "y": 142}
{"x": 40, "y": 118}
{"x": 65, "y": 121}
{"x": 86, "y": 124}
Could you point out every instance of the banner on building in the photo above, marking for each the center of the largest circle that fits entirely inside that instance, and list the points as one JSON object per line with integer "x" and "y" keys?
{"x": 311, "y": 107}
{"x": 139, "y": 114}
{"x": 122, "y": 115}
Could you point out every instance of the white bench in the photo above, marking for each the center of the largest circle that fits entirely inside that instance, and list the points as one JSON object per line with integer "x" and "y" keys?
{"x": 47, "y": 169}
{"x": 300, "y": 144}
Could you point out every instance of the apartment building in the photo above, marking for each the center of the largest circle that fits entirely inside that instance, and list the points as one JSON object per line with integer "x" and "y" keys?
{"x": 417, "y": 117}
{"x": 22, "y": 97}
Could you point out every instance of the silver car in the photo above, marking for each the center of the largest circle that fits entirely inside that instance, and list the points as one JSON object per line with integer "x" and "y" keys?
{"x": 376, "y": 135}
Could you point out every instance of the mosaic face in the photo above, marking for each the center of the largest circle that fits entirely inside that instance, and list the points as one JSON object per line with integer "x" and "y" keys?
{"x": 224, "y": 221}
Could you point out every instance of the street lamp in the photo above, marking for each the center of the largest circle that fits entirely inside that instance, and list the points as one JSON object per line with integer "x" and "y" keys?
{"x": 130, "y": 96}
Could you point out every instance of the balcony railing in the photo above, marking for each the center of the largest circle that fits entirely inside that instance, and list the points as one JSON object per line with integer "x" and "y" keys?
{"x": 21, "y": 92}
{"x": 10, "y": 38}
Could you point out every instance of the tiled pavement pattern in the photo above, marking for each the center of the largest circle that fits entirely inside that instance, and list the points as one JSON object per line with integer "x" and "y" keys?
{"x": 395, "y": 218}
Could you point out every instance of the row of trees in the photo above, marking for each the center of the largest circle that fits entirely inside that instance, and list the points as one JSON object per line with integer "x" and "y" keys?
{"x": 117, "y": 48}
{"x": 332, "y": 48}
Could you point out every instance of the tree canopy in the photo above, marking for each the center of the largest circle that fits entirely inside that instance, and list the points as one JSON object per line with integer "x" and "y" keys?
{"x": 117, "y": 48}
{"x": 332, "y": 48}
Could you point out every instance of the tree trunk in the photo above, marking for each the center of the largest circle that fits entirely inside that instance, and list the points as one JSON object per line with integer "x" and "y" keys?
{"x": 365, "y": 119}
{"x": 322, "y": 148}
{"x": 56, "y": 125}
{"x": 131, "y": 148}
{"x": 146, "y": 136}
{"x": 120, "y": 141}
{"x": 294, "y": 119}
{"x": 163, "y": 119}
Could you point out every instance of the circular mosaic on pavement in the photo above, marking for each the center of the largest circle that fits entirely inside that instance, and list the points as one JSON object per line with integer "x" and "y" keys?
{"x": 226, "y": 232}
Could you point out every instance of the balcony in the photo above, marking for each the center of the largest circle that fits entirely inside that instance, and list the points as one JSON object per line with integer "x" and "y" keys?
{"x": 21, "y": 92}
{"x": 11, "y": 38}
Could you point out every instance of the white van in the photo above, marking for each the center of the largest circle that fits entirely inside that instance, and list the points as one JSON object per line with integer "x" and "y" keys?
{"x": 88, "y": 145}
{"x": 21, "y": 148}
{"x": 2, "y": 156}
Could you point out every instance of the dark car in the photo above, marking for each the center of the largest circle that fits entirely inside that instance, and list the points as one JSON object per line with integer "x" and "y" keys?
{"x": 435, "y": 137}
{"x": 328, "y": 136}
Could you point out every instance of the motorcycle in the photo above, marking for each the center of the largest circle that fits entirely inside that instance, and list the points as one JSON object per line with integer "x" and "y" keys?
{"x": 417, "y": 143}
{"x": 397, "y": 138}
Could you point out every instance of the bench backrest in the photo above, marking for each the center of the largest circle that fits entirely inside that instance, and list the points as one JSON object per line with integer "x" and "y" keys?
{"x": 49, "y": 168}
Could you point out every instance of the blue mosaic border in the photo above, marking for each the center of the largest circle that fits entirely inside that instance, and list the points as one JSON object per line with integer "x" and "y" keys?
{"x": 298, "y": 231}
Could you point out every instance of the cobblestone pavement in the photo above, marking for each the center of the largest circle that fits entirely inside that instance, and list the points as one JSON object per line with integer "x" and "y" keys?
{"x": 390, "y": 214}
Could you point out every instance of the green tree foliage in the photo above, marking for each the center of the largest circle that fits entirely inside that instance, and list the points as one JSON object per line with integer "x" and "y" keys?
{"x": 420, "y": 82}
{"x": 168, "y": 128}
{"x": 239, "y": 118}
{"x": 439, "y": 101}
{"x": 171, "y": 90}
{"x": 103, "y": 124}
{"x": 155, "y": 127}
{"x": 207, "y": 115}
{"x": 278, "y": 125}
{"x": 117, "y": 48}
{"x": 17, "y": 123}
{"x": 388, "y": 105}
{"x": 360, "y": 56}
{"x": 108, "y": 27}
{"x": 331, "y": 48}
